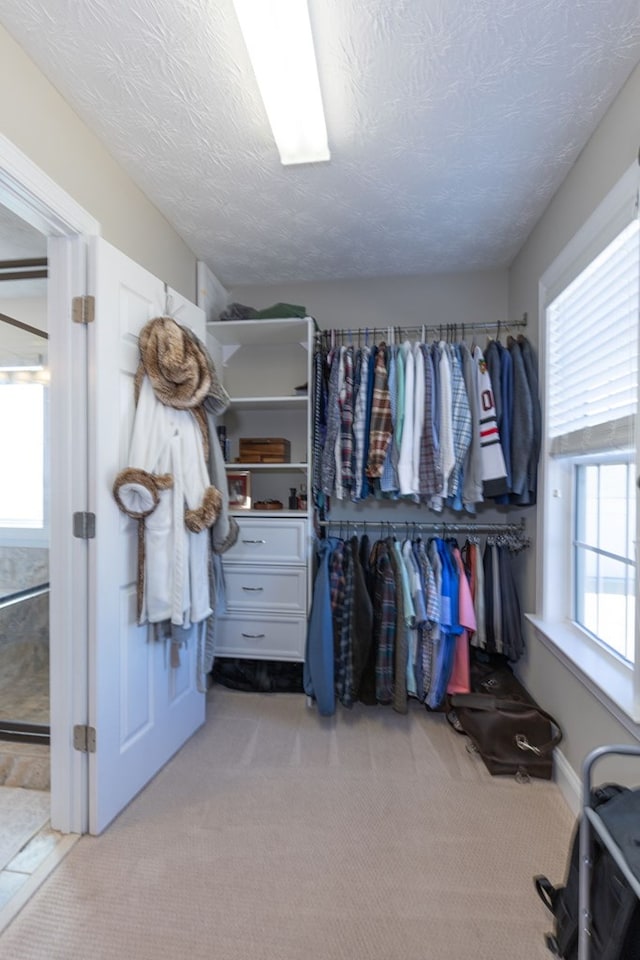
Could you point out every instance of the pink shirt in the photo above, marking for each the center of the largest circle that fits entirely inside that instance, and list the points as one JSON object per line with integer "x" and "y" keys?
{"x": 459, "y": 681}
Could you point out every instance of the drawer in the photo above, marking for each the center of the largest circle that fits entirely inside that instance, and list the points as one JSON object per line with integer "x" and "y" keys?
{"x": 267, "y": 540}
{"x": 268, "y": 589}
{"x": 261, "y": 638}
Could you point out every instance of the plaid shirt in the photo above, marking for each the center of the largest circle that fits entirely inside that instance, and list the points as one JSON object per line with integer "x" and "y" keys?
{"x": 389, "y": 475}
{"x": 381, "y": 427}
{"x": 430, "y": 474}
{"x": 319, "y": 399}
{"x": 433, "y": 581}
{"x": 328, "y": 469}
{"x": 344, "y": 659}
{"x": 359, "y": 424}
{"x": 346, "y": 422}
{"x": 384, "y": 620}
{"x": 399, "y": 701}
{"x": 337, "y": 585}
{"x": 462, "y": 426}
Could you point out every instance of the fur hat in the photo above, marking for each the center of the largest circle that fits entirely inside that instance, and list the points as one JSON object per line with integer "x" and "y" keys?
{"x": 177, "y": 365}
{"x": 217, "y": 400}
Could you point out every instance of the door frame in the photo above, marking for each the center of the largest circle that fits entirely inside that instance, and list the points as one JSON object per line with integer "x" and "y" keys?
{"x": 32, "y": 195}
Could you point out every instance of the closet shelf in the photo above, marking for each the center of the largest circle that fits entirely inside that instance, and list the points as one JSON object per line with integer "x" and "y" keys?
{"x": 272, "y": 514}
{"x": 273, "y": 403}
{"x": 265, "y": 466}
{"x": 257, "y": 332}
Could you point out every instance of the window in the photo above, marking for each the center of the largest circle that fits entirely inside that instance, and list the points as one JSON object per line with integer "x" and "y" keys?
{"x": 22, "y": 439}
{"x": 591, "y": 311}
{"x": 603, "y": 553}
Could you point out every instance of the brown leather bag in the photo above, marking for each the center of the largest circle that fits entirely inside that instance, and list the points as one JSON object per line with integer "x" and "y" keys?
{"x": 511, "y": 736}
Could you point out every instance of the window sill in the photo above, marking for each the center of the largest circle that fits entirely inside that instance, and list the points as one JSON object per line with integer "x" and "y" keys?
{"x": 614, "y": 686}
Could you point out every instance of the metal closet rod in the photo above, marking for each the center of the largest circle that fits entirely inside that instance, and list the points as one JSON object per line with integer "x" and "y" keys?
{"x": 511, "y": 527}
{"x": 424, "y": 328}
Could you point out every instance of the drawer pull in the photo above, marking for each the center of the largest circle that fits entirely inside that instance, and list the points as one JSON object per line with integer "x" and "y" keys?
{"x": 254, "y": 636}
{"x": 253, "y": 589}
{"x": 254, "y": 541}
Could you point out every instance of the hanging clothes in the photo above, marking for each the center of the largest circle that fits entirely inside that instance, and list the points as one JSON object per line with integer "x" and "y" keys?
{"x": 431, "y": 423}
{"x": 380, "y": 427}
{"x": 459, "y": 681}
{"x": 410, "y": 637}
{"x": 360, "y": 421}
{"x": 318, "y": 680}
{"x": 384, "y": 620}
{"x": 531, "y": 372}
{"x": 361, "y": 623}
{"x": 166, "y": 484}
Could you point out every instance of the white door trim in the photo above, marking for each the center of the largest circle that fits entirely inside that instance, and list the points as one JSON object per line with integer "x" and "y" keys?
{"x": 32, "y": 195}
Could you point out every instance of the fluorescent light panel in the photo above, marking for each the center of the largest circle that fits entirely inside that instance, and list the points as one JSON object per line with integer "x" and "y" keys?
{"x": 278, "y": 37}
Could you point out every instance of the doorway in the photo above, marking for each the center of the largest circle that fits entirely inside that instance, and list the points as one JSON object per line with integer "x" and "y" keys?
{"x": 24, "y": 496}
{"x": 24, "y": 552}
{"x": 119, "y": 707}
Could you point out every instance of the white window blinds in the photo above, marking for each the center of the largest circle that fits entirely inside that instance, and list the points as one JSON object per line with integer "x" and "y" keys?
{"x": 593, "y": 352}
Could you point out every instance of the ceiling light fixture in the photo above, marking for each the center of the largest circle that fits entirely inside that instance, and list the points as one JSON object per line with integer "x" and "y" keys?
{"x": 278, "y": 38}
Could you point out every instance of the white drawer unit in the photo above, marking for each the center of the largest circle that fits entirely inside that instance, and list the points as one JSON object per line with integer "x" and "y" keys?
{"x": 261, "y": 638}
{"x": 267, "y": 591}
{"x": 266, "y": 588}
{"x": 263, "y": 540}
{"x": 268, "y": 570}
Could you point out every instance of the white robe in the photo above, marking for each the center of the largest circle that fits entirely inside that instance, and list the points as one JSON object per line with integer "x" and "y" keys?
{"x": 169, "y": 441}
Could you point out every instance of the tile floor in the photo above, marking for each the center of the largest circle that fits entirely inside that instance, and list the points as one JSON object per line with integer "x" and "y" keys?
{"x": 24, "y": 765}
{"x": 24, "y": 691}
{"x": 27, "y": 765}
{"x": 29, "y": 868}
{"x": 24, "y": 697}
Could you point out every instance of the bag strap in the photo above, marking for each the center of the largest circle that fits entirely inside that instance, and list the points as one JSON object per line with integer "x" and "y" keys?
{"x": 487, "y": 702}
{"x": 546, "y": 891}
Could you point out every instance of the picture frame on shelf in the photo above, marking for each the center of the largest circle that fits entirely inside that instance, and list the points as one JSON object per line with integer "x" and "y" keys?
{"x": 239, "y": 482}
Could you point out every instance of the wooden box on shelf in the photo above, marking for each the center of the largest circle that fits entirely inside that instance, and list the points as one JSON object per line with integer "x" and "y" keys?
{"x": 264, "y": 450}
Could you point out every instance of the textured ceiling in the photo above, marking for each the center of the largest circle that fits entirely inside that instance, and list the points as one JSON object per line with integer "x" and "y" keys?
{"x": 451, "y": 123}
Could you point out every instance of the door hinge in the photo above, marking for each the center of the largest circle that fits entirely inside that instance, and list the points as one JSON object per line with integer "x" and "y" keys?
{"x": 83, "y": 309}
{"x": 84, "y": 525}
{"x": 84, "y": 738}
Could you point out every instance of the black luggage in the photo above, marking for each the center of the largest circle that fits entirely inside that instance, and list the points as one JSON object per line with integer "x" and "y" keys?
{"x": 615, "y": 910}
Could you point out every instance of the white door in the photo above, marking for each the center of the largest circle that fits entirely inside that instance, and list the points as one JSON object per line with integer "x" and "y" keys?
{"x": 142, "y": 709}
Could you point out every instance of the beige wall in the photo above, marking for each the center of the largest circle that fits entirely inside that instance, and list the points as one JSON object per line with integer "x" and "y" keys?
{"x": 475, "y": 297}
{"x": 610, "y": 151}
{"x": 36, "y": 119}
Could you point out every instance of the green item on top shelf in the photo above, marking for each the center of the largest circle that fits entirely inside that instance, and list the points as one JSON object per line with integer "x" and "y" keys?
{"x": 280, "y": 311}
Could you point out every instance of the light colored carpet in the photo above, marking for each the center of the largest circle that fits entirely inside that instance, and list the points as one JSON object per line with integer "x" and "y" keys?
{"x": 22, "y": 814}
{"x": 277, "y": 835}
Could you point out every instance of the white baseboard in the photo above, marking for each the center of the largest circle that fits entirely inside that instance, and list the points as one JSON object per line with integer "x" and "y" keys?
{"x": 568, "y": 780}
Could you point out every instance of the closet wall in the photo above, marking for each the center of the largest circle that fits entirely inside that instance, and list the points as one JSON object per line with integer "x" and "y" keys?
{"x": 473, "y": 297}
{"x": 610, "y": 151}
{"x": 476, "y": 296}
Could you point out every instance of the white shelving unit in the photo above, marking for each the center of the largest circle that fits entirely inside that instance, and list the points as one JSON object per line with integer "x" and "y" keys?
{"x": 268, "y": 571}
